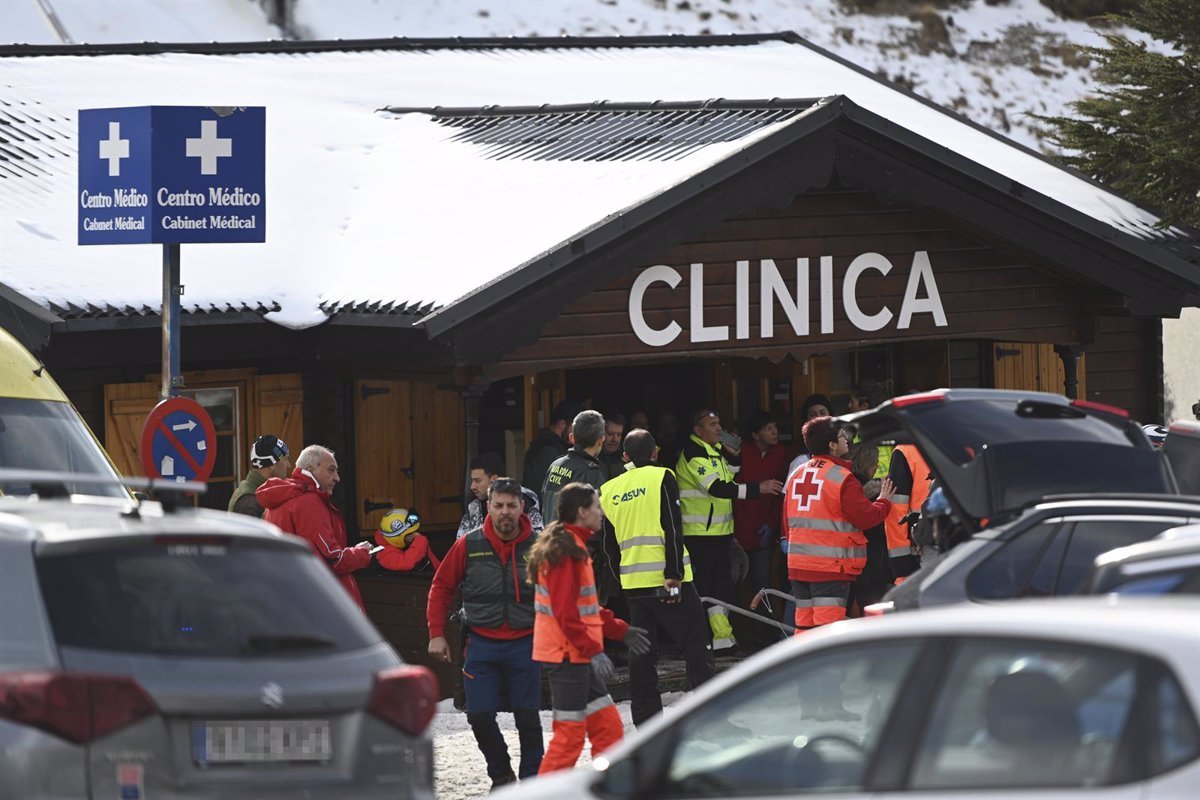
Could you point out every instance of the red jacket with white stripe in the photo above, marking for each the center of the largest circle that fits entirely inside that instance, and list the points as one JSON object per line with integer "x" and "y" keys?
{"x": 298, "y": 506}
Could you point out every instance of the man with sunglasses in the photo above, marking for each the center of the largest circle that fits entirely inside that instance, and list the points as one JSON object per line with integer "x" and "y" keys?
{"x": 825, "y": 513}
{"x": 488, "y": 567}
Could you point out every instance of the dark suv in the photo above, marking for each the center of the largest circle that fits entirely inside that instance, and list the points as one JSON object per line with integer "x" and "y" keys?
{"x": 1012, "y": 465}
{"x": 193, "y": 654}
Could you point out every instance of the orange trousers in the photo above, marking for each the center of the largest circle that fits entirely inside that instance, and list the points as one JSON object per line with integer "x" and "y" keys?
{"x": 583, "y": 710}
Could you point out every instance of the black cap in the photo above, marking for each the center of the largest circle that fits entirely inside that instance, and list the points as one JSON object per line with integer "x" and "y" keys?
{"x": 267, "y": 450}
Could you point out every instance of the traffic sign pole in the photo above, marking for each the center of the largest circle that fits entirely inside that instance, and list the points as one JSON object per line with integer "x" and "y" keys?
{"x": 172, "y": 381}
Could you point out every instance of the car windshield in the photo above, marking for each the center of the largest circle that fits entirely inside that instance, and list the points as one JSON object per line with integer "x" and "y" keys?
{"x": 211, "y": 597}
{"x": 50, "y": 436}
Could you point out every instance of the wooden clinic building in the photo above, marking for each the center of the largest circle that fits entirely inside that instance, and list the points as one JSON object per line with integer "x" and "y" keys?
{"x": 824, "y": 244}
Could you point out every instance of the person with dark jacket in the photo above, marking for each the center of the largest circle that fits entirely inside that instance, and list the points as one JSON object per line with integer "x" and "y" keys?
{"x": 547, "y": 446}
{"x": 876, "y": 577}
{"x": 579, "y": 464}
{"x": 485, "y": 468}
{"x": 268, "y": 459}
{"x": 610, "y": 457}
{"x": 301, "y": 505}
{"x": 487, "y": 566}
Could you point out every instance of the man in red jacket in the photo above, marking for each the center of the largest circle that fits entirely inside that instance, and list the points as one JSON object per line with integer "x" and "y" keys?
{"x": 301, "y": 505}
{"x": 488, "y": 566}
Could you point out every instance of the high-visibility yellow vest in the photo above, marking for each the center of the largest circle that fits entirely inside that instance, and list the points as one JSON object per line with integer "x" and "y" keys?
{"x": 633, "y": 504}
{"x": 703, "y": 514}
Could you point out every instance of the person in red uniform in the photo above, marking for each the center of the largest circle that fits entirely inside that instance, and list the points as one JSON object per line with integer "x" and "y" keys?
{"x": 756, "y": 520}
{"x": 487, "y": 566}
{"x": 301, "y": 505}
{"x": 826, "y": 513}
{"x": 569, "y": 631}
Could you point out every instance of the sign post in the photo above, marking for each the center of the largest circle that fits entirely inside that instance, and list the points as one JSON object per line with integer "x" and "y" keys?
{"x": 171, "y": 175}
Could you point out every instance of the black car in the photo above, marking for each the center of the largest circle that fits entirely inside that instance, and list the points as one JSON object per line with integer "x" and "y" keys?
{"x": 1005, "y": 460}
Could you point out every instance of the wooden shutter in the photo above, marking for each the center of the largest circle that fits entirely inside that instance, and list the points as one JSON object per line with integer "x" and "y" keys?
{"x": 383, "y": 424}
{"x": 126, "y": 406}
{"x": 1022, "y": 365}
{"x": 439, "y": 442}
{"x": 277, "y": 406}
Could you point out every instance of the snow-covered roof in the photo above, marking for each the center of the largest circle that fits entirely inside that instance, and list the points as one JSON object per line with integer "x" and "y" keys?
{"x": 366, "y": 206}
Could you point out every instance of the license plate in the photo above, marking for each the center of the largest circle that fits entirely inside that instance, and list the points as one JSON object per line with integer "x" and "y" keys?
{"x": 254, "y": 741}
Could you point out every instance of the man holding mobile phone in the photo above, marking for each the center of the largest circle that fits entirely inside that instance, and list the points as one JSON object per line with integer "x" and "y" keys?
{"x": 707, "y": 489}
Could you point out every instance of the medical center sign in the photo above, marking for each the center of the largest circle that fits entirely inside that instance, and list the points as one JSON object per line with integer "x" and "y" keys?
{"x": 172, "y": 174}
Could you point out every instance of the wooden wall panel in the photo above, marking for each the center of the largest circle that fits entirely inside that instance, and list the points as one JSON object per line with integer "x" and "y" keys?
{"x": 1119, "y": 370}
{"x": 986, "y": 293}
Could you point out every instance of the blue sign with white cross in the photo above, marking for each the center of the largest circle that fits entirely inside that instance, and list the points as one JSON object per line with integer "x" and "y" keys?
{"x": 172, "y": 174}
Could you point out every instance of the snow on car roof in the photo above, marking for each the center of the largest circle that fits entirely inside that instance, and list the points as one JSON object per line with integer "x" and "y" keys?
{"x": 369, "y": 207}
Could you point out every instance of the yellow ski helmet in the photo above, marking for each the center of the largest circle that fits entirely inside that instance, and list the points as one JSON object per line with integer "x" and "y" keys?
{"x": 397, "y": 524}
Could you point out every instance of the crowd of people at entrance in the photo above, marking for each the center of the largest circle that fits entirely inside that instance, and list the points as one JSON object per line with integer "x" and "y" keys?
{"x": 618, "y": 545}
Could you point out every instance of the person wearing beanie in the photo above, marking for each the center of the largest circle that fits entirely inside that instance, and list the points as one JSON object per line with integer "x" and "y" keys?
{"x": 268, "y": 459}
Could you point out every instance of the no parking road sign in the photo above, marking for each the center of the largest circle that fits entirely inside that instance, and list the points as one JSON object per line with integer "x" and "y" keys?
{"x": 178, "y": 441}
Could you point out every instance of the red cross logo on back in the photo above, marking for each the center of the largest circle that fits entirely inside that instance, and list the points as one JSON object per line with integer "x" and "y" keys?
{"x": 806, "y": 487}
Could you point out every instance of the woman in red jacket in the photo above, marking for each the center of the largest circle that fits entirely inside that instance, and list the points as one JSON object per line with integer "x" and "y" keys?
{"x": 569, "y": 630}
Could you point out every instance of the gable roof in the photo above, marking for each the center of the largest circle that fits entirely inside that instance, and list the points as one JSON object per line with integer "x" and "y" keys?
{"x": 357, "y": 223}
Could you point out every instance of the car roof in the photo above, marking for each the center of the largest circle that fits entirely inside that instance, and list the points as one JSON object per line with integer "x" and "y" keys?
{"x": 83, "y": 517}
{"x": 1152, "y": 550}
{"x": 1130, "y": 503}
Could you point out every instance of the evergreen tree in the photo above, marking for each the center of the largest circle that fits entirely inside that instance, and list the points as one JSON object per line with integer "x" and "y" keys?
{"x": 1141, "y": 133}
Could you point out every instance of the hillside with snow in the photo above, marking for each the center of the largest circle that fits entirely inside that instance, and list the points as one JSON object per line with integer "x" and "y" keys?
{"x": 995, "y": 61}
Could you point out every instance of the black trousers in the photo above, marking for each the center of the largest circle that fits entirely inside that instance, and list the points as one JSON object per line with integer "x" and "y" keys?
{"x": 711, "y": 568}
{"x": 687, "y": 625}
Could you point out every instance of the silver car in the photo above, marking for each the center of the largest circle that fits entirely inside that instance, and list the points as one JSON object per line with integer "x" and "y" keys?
{"x": 194, "y": 654}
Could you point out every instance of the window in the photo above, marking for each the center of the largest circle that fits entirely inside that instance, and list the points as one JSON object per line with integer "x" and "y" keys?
{"x": 1002, "y": 575}
{"x": 1091, "y": 537}
{"x": 223, "y": 405}
{"x": 1028, "y": 714}
{"x": 213, "y": 599}
{"x": 1178, "y": 739}
{"x": 810, "y": 725}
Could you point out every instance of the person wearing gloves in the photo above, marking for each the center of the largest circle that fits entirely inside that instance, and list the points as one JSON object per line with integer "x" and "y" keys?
{"x": 569, "y": 630}
{"x": 404, "y": 548}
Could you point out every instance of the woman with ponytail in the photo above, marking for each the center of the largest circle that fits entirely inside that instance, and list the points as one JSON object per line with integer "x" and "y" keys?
{"x": 569, "y": 630}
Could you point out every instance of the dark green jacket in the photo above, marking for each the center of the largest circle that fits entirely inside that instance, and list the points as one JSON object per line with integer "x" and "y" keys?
{"x": 243, "y": 500}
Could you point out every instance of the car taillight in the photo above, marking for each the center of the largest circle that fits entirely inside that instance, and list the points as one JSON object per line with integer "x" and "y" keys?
{"x": 405, "y": 698}
{"x": 918, "y": 399}
{"x": 75, "y": 706}
{"x": 1103, "y": 408}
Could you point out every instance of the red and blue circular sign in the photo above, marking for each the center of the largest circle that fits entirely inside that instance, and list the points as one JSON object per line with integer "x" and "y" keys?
{"x": 179, "y": 442}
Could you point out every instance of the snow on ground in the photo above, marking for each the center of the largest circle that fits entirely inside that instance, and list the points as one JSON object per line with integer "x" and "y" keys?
{"x": 459, "y": 770}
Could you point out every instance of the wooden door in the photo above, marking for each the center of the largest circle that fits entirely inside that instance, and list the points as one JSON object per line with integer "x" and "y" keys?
{"x": 383, "y": 469}
{"x": 439, "y": 445}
